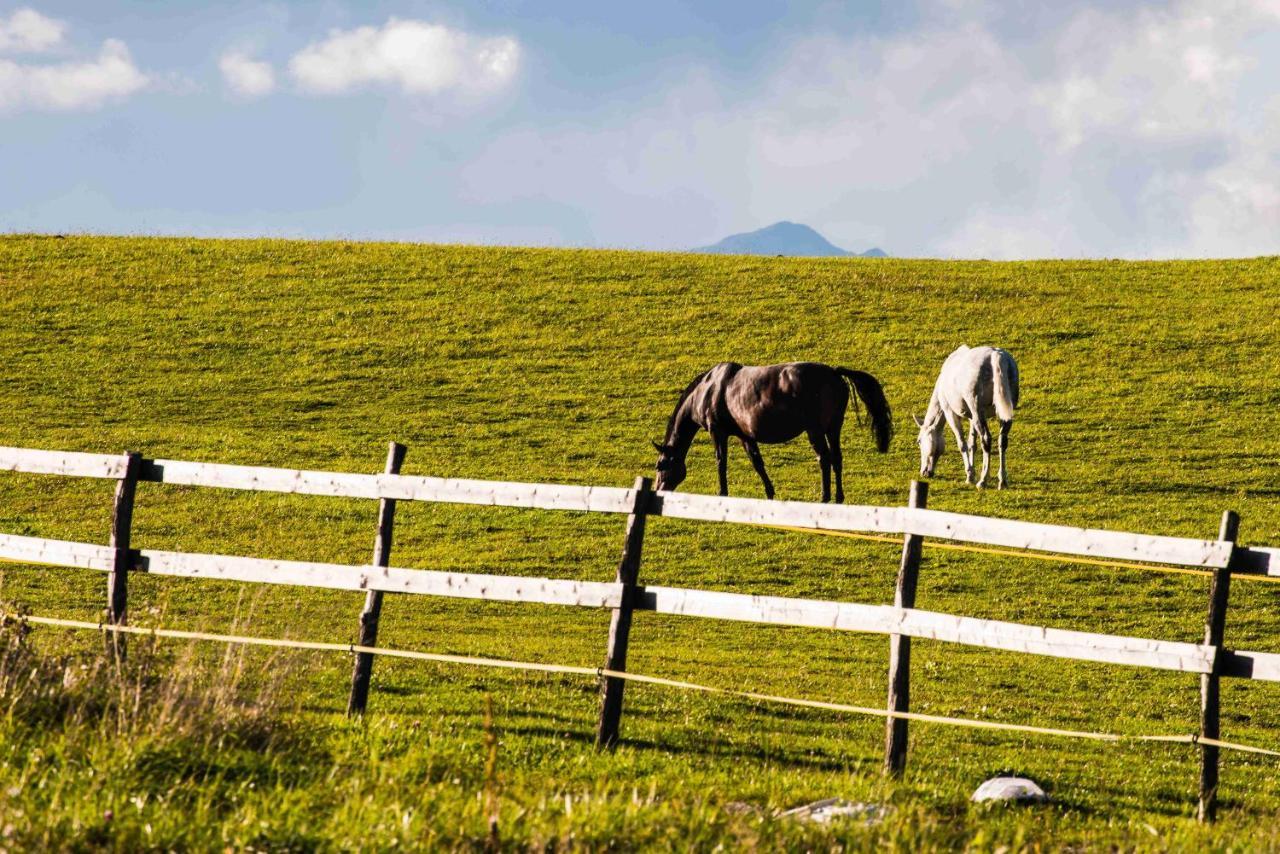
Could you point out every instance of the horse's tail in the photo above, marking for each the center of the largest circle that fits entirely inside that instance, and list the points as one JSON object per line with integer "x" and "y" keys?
{"x": 1004, "y": 375}
{"x": 872, "y": 395}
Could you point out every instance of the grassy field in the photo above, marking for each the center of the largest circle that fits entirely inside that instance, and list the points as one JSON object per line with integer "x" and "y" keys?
{"x": 1148, "y": 395}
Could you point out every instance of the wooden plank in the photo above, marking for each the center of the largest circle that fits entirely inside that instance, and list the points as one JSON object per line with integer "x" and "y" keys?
{"x": 982, "y": 530}
{"x": 1087, "y": 542}
{"x": 601, "y": 499}
{"x": 40, "y": 550}
{"x": 1243, "y": 664}
{"x": 1061, "y": 643}
{"x": 796, "y": 514}
{"x": 1210, "y": 683}
{"x": 612, "y": 687}
{"x": 884, "y": 619}
{"x": 500, "y": 588}
{"x": 1257, "y": 561}
{"x": 362, "y": 670}
{"x": 69, "y": 463}
{"x": 845, "y": 616}
{"x": 895, "y": 734}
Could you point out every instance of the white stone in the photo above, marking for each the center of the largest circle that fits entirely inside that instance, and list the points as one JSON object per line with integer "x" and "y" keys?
{"x": 1010, "y": 789}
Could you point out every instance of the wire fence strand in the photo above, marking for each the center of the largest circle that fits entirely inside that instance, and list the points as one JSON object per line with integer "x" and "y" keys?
{"x": 1020, "y": 553}
{"x": 600, "y": 672}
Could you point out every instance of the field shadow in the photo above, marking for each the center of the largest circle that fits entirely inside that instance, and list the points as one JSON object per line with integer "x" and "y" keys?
{"x": 1175, "y": 488}
{"x": 808, "y": 758}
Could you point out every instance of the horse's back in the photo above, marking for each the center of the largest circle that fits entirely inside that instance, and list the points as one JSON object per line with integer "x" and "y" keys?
{"x": 776, "y": 403}
{"x": 971, "y": 378}
{"x": 790, "y": 378}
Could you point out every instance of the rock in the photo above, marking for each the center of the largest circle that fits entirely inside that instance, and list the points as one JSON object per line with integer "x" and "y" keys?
{"x": 1017, "y": 790}
{"x": 830, "y": 809}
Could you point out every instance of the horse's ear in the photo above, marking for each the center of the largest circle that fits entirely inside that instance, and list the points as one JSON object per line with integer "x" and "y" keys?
{"x": 916, "y": 418}
{"x": 659, "y": 448}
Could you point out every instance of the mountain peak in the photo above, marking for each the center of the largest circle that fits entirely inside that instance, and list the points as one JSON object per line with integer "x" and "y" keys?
{"x": 782, "y": 238}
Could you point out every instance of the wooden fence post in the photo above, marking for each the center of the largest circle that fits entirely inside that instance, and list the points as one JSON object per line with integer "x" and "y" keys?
{"x": 363, "y": 669}
{"x": 121, "y": 529}
{"x": 611, "y": 687}
{"x": 1219, "y": 591}
{"x": 895, "y": 729}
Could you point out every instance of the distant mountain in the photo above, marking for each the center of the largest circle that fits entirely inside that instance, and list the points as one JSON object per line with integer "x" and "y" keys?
{"x": 783, "y": 238}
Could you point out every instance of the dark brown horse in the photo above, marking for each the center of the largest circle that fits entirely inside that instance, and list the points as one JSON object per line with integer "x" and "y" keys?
{"x": 770, "y": 404}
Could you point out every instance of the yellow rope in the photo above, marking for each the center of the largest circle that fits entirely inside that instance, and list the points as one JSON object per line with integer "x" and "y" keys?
{"x": 958, "y": 547}
{"x": 633, "y": 677}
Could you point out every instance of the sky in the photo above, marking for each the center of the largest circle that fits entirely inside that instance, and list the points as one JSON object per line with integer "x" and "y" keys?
{"x": 931, "y": 128}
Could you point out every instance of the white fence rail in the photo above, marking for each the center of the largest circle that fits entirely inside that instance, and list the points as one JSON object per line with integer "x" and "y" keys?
{"x": 982, "y": 530}
{"x": 773, "y": 610}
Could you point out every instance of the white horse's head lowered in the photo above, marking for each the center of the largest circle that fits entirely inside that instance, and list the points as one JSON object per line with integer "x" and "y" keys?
{"x": 932, "y": 441}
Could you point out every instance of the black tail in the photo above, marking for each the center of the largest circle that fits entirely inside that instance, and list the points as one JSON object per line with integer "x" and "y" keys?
{"x": 872, "y": 395}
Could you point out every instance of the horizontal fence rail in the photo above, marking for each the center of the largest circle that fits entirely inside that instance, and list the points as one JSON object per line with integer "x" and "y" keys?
{"x": 596, "y": 499}
{"x": 1032, "y": 536}
{"x": 56, "y": 552}
{"x": 983, "y": 530}
{"x": 885, "y": 619}
{"x": 771, "y": 610}
{"x": 1222, "y": 558}
{"x": 69, "y": 463}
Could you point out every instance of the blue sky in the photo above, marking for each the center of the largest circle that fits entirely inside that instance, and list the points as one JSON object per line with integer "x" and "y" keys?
{"x": 951, "y": 128}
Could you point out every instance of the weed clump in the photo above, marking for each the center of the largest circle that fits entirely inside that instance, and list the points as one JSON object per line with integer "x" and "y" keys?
{"x": 99, "y": 748}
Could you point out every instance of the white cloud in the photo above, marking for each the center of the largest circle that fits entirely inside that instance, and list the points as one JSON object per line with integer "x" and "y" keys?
{"x": 246, "y": 76}
{"x": 1114, "y": 132}
{"x": 415, "y": 56}
{"x": 27, "y": 31}
{"x": 71, "y": 85}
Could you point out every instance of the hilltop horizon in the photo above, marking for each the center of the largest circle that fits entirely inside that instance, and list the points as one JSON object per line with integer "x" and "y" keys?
{"x": 784, "y": 238}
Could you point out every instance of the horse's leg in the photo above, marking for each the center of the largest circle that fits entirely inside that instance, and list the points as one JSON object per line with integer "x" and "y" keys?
{"x": 953, "y": 421}
{"x": 753, "y": 451}
{"x": 984, "y": 434}
{"x": 1004, "y": 444}
{"x": 837, "y": 463}
{"x": 819, "y": 443}
{"x": 722, "y": 460}
{"x": 973, "y": 450}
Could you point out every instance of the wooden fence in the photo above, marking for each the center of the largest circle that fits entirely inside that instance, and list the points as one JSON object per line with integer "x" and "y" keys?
{"x": 1222, "y": 557}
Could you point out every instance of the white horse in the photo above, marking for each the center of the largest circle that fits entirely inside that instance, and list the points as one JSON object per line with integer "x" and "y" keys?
{"x": 974, "y": 383}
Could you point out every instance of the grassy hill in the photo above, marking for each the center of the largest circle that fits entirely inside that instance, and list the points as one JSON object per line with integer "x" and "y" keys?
{"x": 1148, "y": 396}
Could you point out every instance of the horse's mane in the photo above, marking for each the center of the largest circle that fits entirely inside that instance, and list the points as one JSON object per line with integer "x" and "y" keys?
{"x": 684, "y": 395}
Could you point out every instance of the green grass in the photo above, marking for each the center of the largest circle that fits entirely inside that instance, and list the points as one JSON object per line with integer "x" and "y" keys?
{"x": 1148, "y": 398}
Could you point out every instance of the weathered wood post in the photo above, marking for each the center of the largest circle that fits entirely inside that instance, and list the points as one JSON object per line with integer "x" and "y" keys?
{"x": 1219, "y": 591}
{"x": 363, "y": 669}
{"x": 895, "y": 729}
{"x": 121, "y": 529}
{"x": 611, "y": 687}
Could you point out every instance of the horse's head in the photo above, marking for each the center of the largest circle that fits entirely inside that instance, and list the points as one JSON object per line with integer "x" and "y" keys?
{"x": 671, "y": 471}
{"x": 932, "y": 442}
